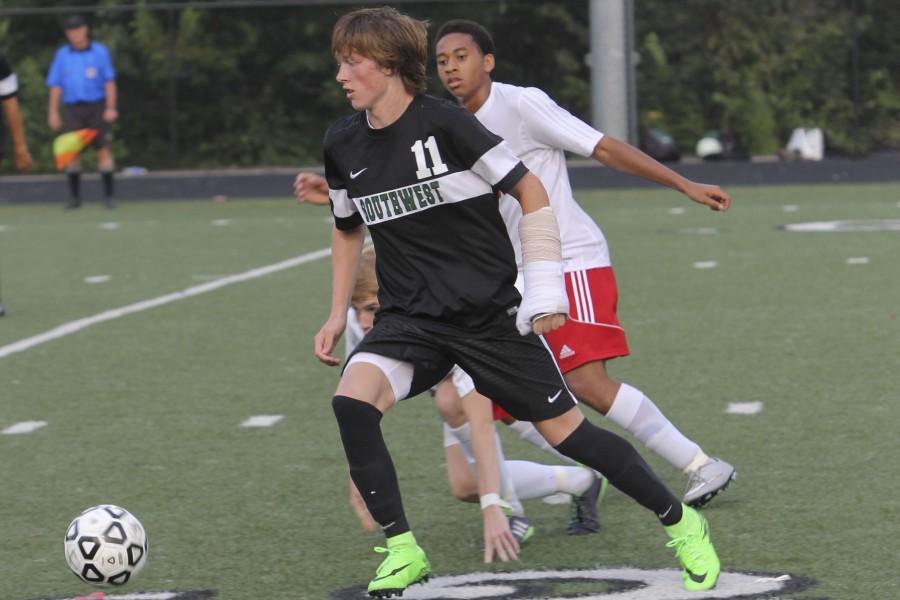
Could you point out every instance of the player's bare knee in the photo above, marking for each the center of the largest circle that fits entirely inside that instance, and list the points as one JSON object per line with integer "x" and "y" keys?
{"x": 448, "y": 404}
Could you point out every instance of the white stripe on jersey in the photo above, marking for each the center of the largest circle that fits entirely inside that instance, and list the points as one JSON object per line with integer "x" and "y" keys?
{"x": 9, "y": 85}
{"x": 448, "y": 189}
{"x": 343, "y": 207}
{"x": 496, "y": 163}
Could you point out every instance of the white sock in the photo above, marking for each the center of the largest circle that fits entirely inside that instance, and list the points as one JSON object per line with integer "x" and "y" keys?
{"x": 463, "y": 434}
{"x": 528, "y": 433}
{"x": 534, "y": 480}
{"x": 636, "y": 413}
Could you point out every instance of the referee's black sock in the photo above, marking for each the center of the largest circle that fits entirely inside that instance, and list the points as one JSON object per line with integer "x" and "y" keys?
{"x": 371, "y": 467}
{"x": 107, "y": 177}
{"x": 75, "y": 187}
{"x": 621, "y": 464}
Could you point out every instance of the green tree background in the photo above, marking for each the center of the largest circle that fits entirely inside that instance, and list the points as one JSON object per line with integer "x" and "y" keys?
{"x": 255, "y": 86}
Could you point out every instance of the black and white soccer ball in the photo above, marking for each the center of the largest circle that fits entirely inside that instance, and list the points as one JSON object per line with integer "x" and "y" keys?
{"x": 106, "y": 545}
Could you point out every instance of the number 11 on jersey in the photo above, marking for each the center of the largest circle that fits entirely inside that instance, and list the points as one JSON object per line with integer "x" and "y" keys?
{"x": 418, "y": 149}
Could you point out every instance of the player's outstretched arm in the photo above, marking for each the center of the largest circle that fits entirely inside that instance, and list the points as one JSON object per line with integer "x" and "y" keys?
{"x": 628, "y": 159}
{"x": 498, "y": 539}
{"x": 23, "y": 160}
{"x": 311, "y": 188}
{"x": 346, "y": 247}
{"x": 545, "y": 304}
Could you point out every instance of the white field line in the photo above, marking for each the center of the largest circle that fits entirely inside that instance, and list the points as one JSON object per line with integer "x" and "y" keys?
{"x": 262, "y": 420}
{"x": 23, "y": 427}
{"x": 744, "y": 408}
{"x": 211, "y": 286}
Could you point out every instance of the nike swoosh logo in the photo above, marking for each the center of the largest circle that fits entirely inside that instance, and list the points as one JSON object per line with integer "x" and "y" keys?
{"x": 358, "y": 173}
{"x": 552, "y": 399}
{"x": 663, "y": 515}
{"x": 695, "y": 577}
{"x": 392, "y": 573}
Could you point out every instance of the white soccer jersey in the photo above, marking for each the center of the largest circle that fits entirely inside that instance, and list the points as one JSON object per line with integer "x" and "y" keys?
{"x": 538, "y": 130}
{"x": 353, "y": 334}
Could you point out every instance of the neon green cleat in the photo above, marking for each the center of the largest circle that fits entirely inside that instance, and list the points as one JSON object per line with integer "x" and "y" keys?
{"x": 690, "y": 538}
{"x": 405, "y": 565}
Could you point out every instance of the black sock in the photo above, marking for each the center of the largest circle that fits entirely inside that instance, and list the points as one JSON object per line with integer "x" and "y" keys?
{"x": 107, "y": 184}
{"x": 621, "y": 464}
{"x": 75, "y": 187}
{"x": 371, "y": 467}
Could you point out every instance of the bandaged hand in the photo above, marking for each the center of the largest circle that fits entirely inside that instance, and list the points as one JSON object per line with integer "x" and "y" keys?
{"x": 545, "y": 304}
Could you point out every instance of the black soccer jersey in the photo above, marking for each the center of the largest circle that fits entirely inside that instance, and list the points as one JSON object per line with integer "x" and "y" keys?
{"x": 426, "y": 188}
{"x": 8, "y": 84}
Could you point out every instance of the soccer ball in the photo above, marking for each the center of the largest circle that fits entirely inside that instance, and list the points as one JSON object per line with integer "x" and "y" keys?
{"x": 106, "y": 545}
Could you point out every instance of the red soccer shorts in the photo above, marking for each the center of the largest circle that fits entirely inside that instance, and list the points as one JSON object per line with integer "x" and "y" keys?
{"x": 592, "y": 331}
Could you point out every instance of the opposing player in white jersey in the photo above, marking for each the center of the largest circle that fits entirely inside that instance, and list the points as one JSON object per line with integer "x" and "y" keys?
{"x": 539, "y": 131}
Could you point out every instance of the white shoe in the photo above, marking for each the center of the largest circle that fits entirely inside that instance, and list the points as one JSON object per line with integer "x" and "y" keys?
{"x": 707, "y": 481}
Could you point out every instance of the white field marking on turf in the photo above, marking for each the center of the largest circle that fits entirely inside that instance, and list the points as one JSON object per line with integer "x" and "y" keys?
{"x": 660, "y": 584}
{"x": 329, "y": 220}
{"x": 211, "y": 286}
{"x": 204, "y": 277}
{"x": 699, "y": 231}
{"x": 790, "y": 208}
{"x": 678, "y": 210}
{"x": 23, "y": 427}
{"x": 858, "y": 260}
{"x": 706, "y": 264}
{"x": 744, "y": 408}
{"x": 221, "y": 222}
{"x": 97, "y": 278}
{"x": 109, "y": 226}
{"x": 262, "y": 420}
{"x": 4, "y": 228}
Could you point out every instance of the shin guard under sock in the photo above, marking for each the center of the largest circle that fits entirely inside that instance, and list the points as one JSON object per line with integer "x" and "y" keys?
{"x": 371, "y": 467}
{"x": 619, "y": 462}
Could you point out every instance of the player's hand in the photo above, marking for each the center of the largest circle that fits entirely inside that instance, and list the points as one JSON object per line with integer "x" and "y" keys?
{"x": 547, "y": 323}
{"x": 498, "y": 539}
{"x": 361, "y": 510}
{"x": 22, "y": 159}
{"x": 110, "y": 115}
{"x": 311, "y": 188}
{"x": 545, "y": 303}
{"x": 709, "y": 195}
{"x": 54, "y": 121}
{"x": 327, "y": 339}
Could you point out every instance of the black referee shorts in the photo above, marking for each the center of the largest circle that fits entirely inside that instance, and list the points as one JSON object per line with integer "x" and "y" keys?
{"x": 517, "y": 372}
{"x": 87, "y": 115}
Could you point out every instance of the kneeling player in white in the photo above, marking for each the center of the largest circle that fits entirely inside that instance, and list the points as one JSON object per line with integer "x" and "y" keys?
{"x": 519, "y": 480}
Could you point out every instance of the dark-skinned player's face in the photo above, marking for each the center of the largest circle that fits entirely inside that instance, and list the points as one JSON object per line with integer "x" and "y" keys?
{"x": 462, "y": 67}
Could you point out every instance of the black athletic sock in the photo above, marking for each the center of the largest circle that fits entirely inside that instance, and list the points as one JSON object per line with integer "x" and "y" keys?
{"x": 75, "y": 188}
{"x": 371, "y": 467}
{"x": 621, "y": 464}
{"x": 107, "y": 184}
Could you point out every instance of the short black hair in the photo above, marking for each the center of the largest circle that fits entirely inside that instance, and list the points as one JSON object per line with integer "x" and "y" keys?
{"x": 481, "y": 36}
{"x": 73, "y": 22}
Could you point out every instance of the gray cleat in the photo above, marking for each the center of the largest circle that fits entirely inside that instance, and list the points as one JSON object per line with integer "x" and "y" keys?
{"x": 585, "y": 518}
{"x": 707, "y": 481}
{"x": 521, "y": 528}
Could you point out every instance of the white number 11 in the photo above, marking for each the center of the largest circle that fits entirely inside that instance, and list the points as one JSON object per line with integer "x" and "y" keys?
{"x": 438, "y": 167}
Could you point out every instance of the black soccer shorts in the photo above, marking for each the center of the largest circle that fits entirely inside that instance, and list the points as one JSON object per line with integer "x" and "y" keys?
{"x": 517, "y": 372}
